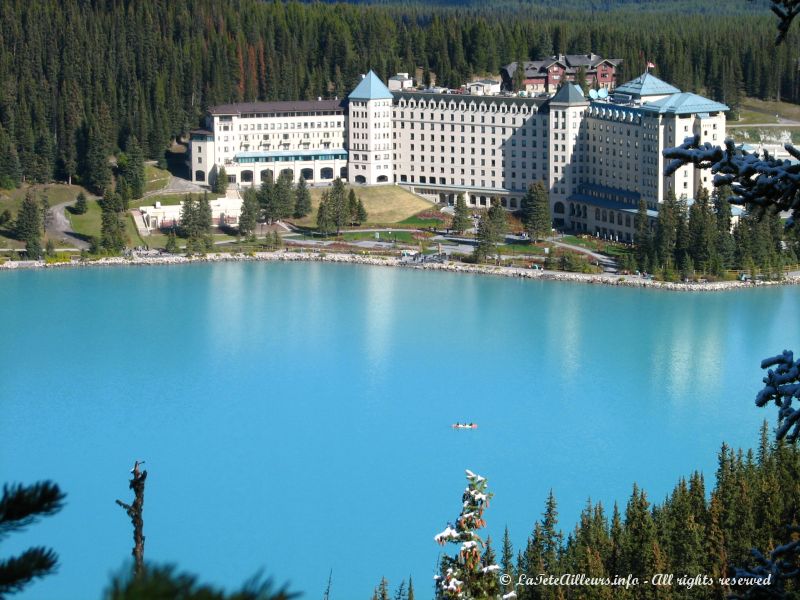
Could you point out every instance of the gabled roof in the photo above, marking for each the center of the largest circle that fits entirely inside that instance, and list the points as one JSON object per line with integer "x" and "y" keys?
{"x": 583, "y": 60}
{"x": 684, "y": 103}
{"x": 569, "y": 94}
{"x": 370, "y": 88}
{"x": 647, "y": 84}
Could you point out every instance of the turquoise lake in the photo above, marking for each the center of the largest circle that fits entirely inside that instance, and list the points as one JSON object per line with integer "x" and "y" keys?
{"x": 297, "y": 417}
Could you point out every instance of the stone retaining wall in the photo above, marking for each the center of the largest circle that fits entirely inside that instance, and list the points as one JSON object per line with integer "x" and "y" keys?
{"x": 384, "y": 261}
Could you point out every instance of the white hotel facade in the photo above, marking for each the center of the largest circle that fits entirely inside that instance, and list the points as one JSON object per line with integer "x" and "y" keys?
{"x": 597, "y": 157}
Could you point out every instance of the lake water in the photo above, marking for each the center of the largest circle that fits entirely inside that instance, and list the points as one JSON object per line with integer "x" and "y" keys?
{"x": 296, "y": 417}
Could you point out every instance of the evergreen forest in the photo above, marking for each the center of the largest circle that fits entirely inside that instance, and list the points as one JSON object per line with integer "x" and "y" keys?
{"x": 79, "y": 78}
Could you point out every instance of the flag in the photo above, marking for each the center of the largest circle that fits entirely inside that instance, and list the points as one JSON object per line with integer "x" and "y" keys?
{"x": 650, "y": 65}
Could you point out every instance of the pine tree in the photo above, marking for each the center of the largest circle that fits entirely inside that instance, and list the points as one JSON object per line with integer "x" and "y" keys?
{"x": 382, "y": 591}
{"x": 337, "y": 205}
{"x": 47, "y": 213}
{"x": 410, "y": 588}
{"x": 203, "y": 223}
{"x": 466, "y": 576}
{"x": 282, "y": 196}
{"x": 498, "y": 222}
{"x": 220, "y": 184}
{"x": 361, "y": 213}
{"x": 266, "y": 199}
{"x": 325, "y": 222}
{"x": 248, "y": 219}
{"x": 156, "y": 581}
{"x": 638, "y": 550}
{"x": 536, "y": 215}
{"x": 580, "y": 80}
{"x": 352, "y": 207}
{"x": 172, "y": 243}
{"x": 682, "y": 239}
{"x": 519, "y": 76}
{"x": 725, "y": 243}
{"x": 461, "y": 220}
{"x": 20, "y": 507}
{"x": 666, "y": 233}
{"x": 486, "y": 240}
{"x": 81, "y": 206}
{"x": 10, "y": 168}
{"x": 97, "y": 174}
{"x": 507, "y": 562}
{"x": 716, "y": 563}
{"x": 702, "y": 231}
{"x": 643, "y": 239}
{"x": 491, "y": 589}
{"x": 112, "y": 227}
{"x": 401, "y": 593}
{"x": 552, "y": 538}
{"x": 302, "y": 201}
{"x": 131, "y": 170}
{"x": 29, "y": 226}
{"x": 615, "y": 562}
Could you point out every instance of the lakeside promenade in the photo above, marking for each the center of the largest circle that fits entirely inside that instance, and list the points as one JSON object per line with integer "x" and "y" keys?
{"x": 388, "y": 261}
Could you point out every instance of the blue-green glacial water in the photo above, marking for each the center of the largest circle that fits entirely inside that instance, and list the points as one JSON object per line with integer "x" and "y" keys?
{"x": 297, "y": 417}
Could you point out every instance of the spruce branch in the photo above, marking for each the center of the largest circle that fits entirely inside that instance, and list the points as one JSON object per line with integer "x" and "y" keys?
{"x": 21, "y": 506}
{"x": 19, "y": 571}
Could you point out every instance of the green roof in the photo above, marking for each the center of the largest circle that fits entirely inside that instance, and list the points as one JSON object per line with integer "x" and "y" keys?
{"x": 370, "y": 88}
{"x": 646, "y": 84}
{"x": 684, "y": 103}
{"x": 569, "y": 94}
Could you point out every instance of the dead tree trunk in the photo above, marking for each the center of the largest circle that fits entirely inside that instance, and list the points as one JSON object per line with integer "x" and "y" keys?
{"x": 135, "y": 513}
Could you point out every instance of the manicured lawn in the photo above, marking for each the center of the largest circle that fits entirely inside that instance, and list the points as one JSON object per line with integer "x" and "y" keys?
{"x": 155, "y": 178}
{"x": 402, "y": 237}
{"x": 56, "y": 194}
{"x": 521, "y": 249}
{"x": 418, "y": 223}
{"x": 587, "y": 243}
{"x": 385, "y": 204}
{"x": 88, "y": 223}
{"x": 764, "y": 111}
{"x": 431, "y": 217}
{"x": 165, "y": 200}
{"x": 133, "y": 233}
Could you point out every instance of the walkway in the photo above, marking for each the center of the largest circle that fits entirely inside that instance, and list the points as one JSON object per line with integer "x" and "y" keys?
{"x": 177, "y": 185}
{"x": 608, "y": 263}
{"x": 60, "y": 227}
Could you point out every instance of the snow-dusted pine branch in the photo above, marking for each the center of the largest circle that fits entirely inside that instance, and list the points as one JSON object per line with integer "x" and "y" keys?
{"x": 761, "y": 181}
{"x": 782, "y": 386}
{"x": 775, "y": 571}
{"x": 786, "y": 10}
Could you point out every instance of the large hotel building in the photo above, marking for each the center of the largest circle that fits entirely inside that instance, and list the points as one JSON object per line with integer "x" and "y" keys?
{"x": 597, "y": 156}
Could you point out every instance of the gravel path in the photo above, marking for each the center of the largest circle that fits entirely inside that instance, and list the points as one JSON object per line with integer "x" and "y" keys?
{"x": 60, "y": 227}
{"x": 177, "y": 185}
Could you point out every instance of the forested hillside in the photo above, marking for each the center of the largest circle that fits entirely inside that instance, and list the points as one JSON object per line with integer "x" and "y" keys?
{"x": 715, "y": 7}
{"x": 79, "y": 77}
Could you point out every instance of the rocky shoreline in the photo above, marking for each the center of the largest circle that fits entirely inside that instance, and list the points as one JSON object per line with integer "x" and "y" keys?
{"x": 386, "y": 261}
